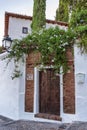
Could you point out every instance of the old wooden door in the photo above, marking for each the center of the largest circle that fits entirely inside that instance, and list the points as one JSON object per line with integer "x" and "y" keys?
{"x": 49, "y": 92}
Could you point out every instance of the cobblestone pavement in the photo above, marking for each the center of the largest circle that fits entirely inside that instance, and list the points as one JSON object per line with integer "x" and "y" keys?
{"x": 8, "y": 124}
{"x": 4, "y": 120}
{"x": 77, "y": 126}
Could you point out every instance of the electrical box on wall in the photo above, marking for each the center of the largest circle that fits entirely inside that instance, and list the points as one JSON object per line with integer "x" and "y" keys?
{"x": 80, "y": 78}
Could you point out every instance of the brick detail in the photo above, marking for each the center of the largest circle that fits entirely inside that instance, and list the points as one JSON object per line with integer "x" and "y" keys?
{"x": 29, "y": 92}
{"x": 68, "y": 83}
{"x": 33, "y": 59}
{"x": 69, "y": 86}
{"x": 6, "y": 23}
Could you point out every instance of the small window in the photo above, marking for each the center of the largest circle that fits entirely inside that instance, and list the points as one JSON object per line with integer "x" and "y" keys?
{"x": 25, "y": 30}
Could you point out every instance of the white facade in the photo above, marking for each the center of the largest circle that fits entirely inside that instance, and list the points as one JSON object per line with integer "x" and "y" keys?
{"x": 15, "y": 27}
{"x": 12, "y": 92}
{"x": 9, "y": 90}
{"x": 16, "y": 24}
{"x": 81, "y": 88}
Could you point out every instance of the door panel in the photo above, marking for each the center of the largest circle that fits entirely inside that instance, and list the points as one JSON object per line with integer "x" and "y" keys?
{"x": 49, "y": 92}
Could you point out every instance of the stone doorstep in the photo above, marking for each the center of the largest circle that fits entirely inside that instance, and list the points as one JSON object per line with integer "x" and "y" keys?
{"x": 48, "y": 116}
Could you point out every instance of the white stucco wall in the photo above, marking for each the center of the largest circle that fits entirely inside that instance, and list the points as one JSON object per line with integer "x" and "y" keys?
{"x": 9, "y": 89}
{"x": 81, "y": 89}
{"x": 15, "y": 27}
{"x": 16, "y": 24}
{"x": 12, "y": 92}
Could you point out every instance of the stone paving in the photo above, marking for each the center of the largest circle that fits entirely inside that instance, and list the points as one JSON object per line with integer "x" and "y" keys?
{"x": 4, "y": 120}
{"x": 29, "y": 125}
{"x": 8, "y": 124}
{"x": 77, "y": 126}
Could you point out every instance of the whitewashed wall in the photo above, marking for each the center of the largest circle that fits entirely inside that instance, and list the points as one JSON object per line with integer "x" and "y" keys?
{"x": 15, "y": 27}
{"x": 10, "y": 90}
{"x": 81, "y": 89}
{"x": 16, "y": 24}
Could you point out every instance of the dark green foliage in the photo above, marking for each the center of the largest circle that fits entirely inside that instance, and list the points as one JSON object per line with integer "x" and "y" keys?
{"x": 52, "y": 44}
{"x": 73, "y": 3}
{"x": 62, "y": 13}
{"x": 39, "y": 19}
{"x": 78, "y": 23}
{"x": 65, "y": 8}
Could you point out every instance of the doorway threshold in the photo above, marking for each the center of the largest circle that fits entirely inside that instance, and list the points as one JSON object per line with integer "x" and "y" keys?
{"x": 48, "y": 116}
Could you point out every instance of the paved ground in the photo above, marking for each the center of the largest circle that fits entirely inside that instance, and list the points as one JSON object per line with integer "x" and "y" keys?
{"x": 8, "y": 124}
{"x": 77, "y": 126}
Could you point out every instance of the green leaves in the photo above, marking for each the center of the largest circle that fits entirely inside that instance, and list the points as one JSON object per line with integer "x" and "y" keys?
{"x": 78, "y": 23}
{"x": 62, "y": 13}
{"x": 39, "y": 19}
{"x": 52, "y": 44}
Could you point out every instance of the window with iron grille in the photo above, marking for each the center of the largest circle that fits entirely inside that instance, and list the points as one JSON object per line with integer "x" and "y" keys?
{"x": 25, "y": 30}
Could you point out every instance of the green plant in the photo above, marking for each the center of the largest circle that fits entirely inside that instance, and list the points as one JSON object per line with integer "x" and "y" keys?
{"x": 78, "y": 23}
{"x": 62, "y": 13}
{"x": 52, "y": 44}
{"x": 39, "y": 19}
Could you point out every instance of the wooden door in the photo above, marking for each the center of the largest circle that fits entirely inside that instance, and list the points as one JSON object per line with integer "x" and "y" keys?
{"x": 49, "y": 92}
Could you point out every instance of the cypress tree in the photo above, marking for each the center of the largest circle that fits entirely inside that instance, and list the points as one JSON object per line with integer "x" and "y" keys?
{"x": 39, "y": 19}
{"x": 73, "y": 4}
{"x": 65, "y": 8}
{"x": 62, "y": 13}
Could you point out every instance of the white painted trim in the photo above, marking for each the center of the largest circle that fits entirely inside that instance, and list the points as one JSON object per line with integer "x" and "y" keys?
{"x": 22, "y": 87}
{"x": 36, "y": 90}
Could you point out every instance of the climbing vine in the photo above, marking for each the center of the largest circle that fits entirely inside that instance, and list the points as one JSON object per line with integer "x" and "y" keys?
{"x": 52, "y": 43}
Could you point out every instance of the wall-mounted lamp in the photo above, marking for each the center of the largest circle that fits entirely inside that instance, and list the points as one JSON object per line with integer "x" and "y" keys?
{"x": 80, "y": 78}
{"x": 6, "y": 42}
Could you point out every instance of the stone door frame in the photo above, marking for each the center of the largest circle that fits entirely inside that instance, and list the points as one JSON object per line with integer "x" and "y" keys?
{"x": 36, "y": 90}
